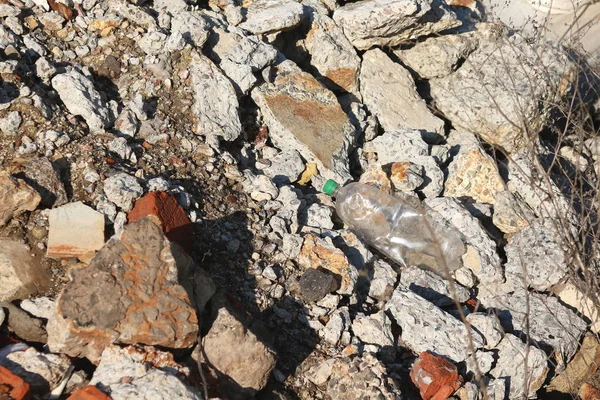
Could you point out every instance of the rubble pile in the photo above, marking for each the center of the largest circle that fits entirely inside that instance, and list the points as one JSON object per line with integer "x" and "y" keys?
{"x": 162, "y": 228}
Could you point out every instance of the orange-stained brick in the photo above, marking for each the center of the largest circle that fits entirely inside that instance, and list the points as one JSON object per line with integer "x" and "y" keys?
{"x": 168, "y": 214}
{"x": 13, "y": 387}
{"x": 88, "y": 393}
{"x": 435, "y": 377}
{"x": 588, "y": 392}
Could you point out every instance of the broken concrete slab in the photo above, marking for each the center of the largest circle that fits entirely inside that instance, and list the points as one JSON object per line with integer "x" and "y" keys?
{"x": 426, "y": 327}
{"x": 432, "y": 287}
{"x": 389, "y": 91}
{"x": 513, "y": 357}
{"x": 332, "y": 54}
{"x": 268, "y": 16}
{"x": 478, "y": 98}
{"x": 78, "y": 94}
{"x": 76, "y": 231}
{"x": 303, "y": 115}
{"x": 215, "y": 101}
{"x": 370, "y": 23}
{"x": 150, "y": 372}
{"x": 473, "y": 173}
{"x": 481, "y": 256}
{"x": 537, "y": 255}
{"x": 555, "y": 327}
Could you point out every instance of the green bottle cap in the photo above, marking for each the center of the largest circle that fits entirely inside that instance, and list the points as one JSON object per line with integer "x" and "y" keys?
{"x": 330, "y": 186}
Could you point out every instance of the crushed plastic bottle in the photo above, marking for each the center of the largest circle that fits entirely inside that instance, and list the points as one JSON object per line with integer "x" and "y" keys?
{"x": 398, "y": 226}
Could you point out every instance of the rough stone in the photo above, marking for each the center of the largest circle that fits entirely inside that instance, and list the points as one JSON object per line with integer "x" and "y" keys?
{"x": 252, "y": 362}
{"x": 371, "y": 23}
{"x": 389, "y": 91}
{"x": 510, "y": 367}
{"x": 303, "y": 115}
{"x": 215, "y": 101}
{"x": 319, "y": 216}
{"x": 40, "y": 307}
{"x": 488, "y": 325}
{"x": 127, "y": 123}
{"x": 166, "y": 212}
{"x": 315, "y": 284}
{"x": 405, "y": 145}
{"x": 332, "y": 54}
{"x": 526, "y": 180}
{"x": 267, "y": 16}
{"x": 435, "y": 377}
{"x": 382, "y": 280}
{"x": 25, "y": 326}
{"x": 9, "y": 125}
{"x": 425, "y": 327}
{"x": 554, "y": 325}
{"x": 150, "y": 374}
{"x": 187, "y": 27}
{"x": 320, "y": 253}
{"x": 76, "y": 231}
{"x": 537, "y": 255}
{"x": 41, "y": 174}
{"x": 481, "y": 256}
{"x": 42, "y": 371}
{"x": 474, "y": 173}
{"x": 480, "y": 363}
{"x": 78, "y": 94}
{"x": 339, "y": 322}
{"x": 21, "y": 275}
{"x": 374, "y": 175}
{"x": 511, "y": 214}
{"x": 478, "y": 98}
{"x": 16, "y": 197}
{"x": 136, "y": 276}
{"x": 123, "y": 190}
{"x": 152, "y": 43}
{"x": 437, "y": 57}
{"x": 260, "y": 187}
{"x": 374, "y": 329}
{"x": 13, "y": 386}
{"x": 581, "y": 368}
{"x": 432, "y": 287}
{"x": 580, "y": 298}
{"x": 406, "y": 176}
{"x": 285, "y": 167}
{"x": 361, "y": 377}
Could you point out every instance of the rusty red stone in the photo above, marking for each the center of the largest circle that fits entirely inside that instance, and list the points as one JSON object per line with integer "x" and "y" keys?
{"x": 168, "y": 214}
{"x": 13, "y": 387}
{"x": 435, "y": 377}
{"x": 89, "y": 393}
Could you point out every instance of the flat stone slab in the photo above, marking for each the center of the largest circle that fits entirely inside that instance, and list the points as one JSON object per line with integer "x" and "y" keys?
{"x": 76, "y": 231}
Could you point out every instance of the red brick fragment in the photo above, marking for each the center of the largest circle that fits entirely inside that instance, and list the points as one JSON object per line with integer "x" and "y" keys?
{"x": 89, "y": 393}
{"x": 169, "y": 215}
{"x": 435, "y": 377}
{"x": 12, "y": 387}
{"x": 588, "y": 392}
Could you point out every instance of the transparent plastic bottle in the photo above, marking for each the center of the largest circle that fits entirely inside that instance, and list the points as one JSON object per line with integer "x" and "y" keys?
{"x": 398, "y": 226}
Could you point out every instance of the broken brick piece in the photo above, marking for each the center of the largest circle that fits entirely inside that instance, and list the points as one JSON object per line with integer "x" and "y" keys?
{"x": 435, "y": 377}
{"x": 168, "y": 214}
{"x": 12, "y": 387}
{"x": 88, "y": 393}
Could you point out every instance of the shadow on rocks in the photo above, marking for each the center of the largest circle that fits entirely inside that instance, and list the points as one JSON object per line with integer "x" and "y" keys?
{"x": 249, "y": 337}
